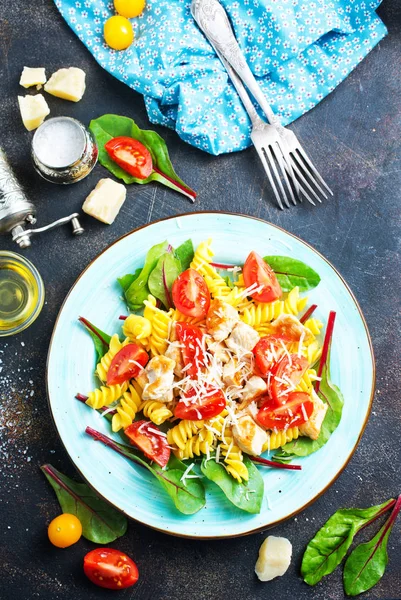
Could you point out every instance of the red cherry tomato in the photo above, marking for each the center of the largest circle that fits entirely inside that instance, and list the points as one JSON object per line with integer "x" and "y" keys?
{"x": 110, "y": 568}
{"x": 130, "y": 155}
{"x": 286, "y": 374}
{"x": 257, "y": 272}
{"x": 296, "y": 411}
{"x": 126, "y": 364}
{"x": 193, "y": 353}
{"x": 147, "y": 437}
{"x": 268, "y": 351}
{"x": 190, "y": 294}
{"x": 211, "y": 404}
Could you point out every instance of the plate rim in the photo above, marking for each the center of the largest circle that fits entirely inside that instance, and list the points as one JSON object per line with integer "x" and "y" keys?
{"x": 352, "y": 452}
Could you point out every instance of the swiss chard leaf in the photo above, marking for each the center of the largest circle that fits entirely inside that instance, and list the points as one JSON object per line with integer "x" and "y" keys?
{"x": 366, "y": 564}
{"x": 188, "y": 496}
{"x": 329, "y": 546}
{"x": 101, "y": 523}
{"x": 185, "y": 253}
{"x": 110, "y": 126}
{"x": 331, "y": 395}
{"x": 163, "y": 276}
{"x": 101, "y": 340}
{"x": 291, "y": 272}
{"x": 126, "y": 280}
{"x": 138, "y": 290}
{"x": 248, "y": 495}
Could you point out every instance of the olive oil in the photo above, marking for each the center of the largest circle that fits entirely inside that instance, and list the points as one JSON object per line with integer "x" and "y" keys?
{"x": 21, "y": 293}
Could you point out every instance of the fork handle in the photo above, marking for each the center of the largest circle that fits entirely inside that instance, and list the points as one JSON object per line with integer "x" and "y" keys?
{"x": 212, "y": 19}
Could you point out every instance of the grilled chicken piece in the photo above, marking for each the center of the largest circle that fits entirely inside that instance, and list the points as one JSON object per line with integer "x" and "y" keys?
{"x": 249, "y": 436}
{"x": 243, "y": 338}
{"x": 220, "y": 320}
{"x": 174, "y": 352}
{"x": 160, "y": 378}
{"x": 219, "y": 351}
{"x": 255, "y": 387}
{"x": 232, "y": 375}
{"x": 289, "y": 326}
{"x": 313, "y": 426}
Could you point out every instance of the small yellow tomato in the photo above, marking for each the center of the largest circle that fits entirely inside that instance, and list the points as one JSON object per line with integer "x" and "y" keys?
{"x": 64, "y": 530}
{"x": 129, "y": 8}
{"x": 118, "y": 33}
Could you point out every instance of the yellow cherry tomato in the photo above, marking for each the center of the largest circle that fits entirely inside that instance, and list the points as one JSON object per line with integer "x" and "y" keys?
{"x": 64, "y": 530}
{"x": 129, "y": 8}
{"x": 118, "y": 33}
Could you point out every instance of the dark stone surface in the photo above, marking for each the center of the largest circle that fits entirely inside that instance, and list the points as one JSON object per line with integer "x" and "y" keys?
{"x": 354, "y": 137}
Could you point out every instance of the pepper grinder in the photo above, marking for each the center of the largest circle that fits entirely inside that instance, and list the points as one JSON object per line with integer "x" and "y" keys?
{"x": 16, "y": 211}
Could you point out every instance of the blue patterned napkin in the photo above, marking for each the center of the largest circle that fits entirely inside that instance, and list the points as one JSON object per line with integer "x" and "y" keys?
{"x": 300, "y": 50}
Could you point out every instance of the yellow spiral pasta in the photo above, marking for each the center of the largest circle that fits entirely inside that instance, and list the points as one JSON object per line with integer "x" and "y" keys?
{"x": 233, "y": 458}
{"x": 177, "y": 316}
{"x": 157, "y": 412}
{"x": 218, "y": 287}
{"x": 104, "y": 363}
{"x": 130, "y": 404}
{"x": 181, "y": 433}
{"x": 258, "y": 314}
{"x": 197, "y": 445}
{"x": 161, "y": 323}
{"x": 313, "y": 352}
{"x": 105, "y": 395}
{"x": 306, "y": 383}
{"x": 202, "y": 258}
{"x": 276, "y": 440}
{"x": 314, "y": 325}
{"x": 137, "y": 329}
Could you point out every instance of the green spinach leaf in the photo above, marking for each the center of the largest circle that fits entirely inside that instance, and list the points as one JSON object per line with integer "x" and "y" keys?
{"x": 101, "y": 340}
{"x": 185, "y": 253}
{"x": 188, "y": 496}
{"x": 110, "y": 126}
{"x": 291, "y": 272}
{"x": 138, "y": 290}
{"x": 163, "y": 276}
{"x": 126, "y": 280}
{"x": 101, "y": 523}
{"x": 248, "y": 495}
{"x": 331, "y": 395}
{"x": 329, "y": 546}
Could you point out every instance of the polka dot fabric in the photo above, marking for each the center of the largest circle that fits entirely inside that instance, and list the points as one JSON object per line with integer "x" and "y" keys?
{"x": 299, "y": 50}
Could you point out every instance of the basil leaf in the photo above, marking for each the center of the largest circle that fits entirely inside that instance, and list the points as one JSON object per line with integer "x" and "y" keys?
{"x": 248, "y": 495}
{"x": 101, "y": 340}
{"x": 331, "y": 395}
{"x": 185, "y": 253}
{"x": 188, "y": 497}
{"x": 138, "y": 291}
{"x": 329, "y": 546}
{"x": 126, "y": 280}
{"x": 291, "y": 272}
{"x": 110, "y": 126}
{"x": 162, "y": 278}
{"x": 101, "y": 523}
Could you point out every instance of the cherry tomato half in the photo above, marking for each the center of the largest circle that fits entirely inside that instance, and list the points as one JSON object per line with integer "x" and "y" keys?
{"x": 257, "y": 272}
{"x": 268, "y": 351}
{"x": 286, "y": 374}
{"x": 110, "y": 568}
{"x": 126, "y": 364}
{"x": 130, "y": 155}
{"x": 64, "y": 530}
{"x": 144, "y": 435}
{"x": 191, "y": 338}
{"x": 129, "y": 8}
{"x": 118, "y": 33}
{"x": 210, "y": 405}
{"x": 190, "y": 294}
{"x": 296, "y": 411}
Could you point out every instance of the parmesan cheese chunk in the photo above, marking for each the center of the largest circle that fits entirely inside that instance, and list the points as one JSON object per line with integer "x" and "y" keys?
{"x": 33, "y": 110}
{"x": 105, "y": 201}
{"x": 68, "y": 84}
{"x": 31, "y": 77}
{"x": 274, "y": 558}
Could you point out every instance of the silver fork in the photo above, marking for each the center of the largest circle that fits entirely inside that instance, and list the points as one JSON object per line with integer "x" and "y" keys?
{"x": 213, "y": 21}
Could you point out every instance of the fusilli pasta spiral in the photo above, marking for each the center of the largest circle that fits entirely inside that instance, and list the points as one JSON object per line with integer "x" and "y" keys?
{"x": 234, "y": 461}
{"x": 156, "y": 411}
{"x": 258, "y": 314}
{"x": 202, "y": 259}
{"x": 276, "y": 440}
{"x": 130, "y": 404}
{"x": 161, "y": 323}
{"x": 181, "y": 433}
{"x": 137, "y": 329}
{"x": 105, "y": 395}
{"x": 104, "y": 363}
{"x": 314, "y": 326}
{"x": 197, "y": 445}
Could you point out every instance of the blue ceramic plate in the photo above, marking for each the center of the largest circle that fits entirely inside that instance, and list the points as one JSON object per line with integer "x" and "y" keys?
{"x": 96, "y": 295}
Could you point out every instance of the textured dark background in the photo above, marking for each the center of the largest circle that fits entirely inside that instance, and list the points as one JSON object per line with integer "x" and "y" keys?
{"x": 354, "y": 137}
